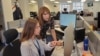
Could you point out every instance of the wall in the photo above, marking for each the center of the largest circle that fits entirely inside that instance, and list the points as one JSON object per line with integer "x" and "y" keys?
{"x": 7, "y": 12}
{"x": 24, "y": 8}
{"x": 33, "y": 7}
{"x": 52, "y": 7}
{"x": 1, "y": 15}
{"x": 94, "y": 9}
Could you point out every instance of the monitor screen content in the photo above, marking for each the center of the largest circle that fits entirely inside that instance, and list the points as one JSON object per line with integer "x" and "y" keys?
{"x": 67, "y": 19}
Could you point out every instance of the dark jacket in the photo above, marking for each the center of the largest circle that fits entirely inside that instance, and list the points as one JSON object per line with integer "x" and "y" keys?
{"x": 17, "y": 14}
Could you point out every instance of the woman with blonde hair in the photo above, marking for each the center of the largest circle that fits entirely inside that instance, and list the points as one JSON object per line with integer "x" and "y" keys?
{"x": 31, "y": 43}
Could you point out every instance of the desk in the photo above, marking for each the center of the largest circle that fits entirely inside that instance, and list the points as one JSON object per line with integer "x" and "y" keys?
{"x": 59, "y": 50}
{"x": 19, "y": 30}
{"x": 57, "y": 28}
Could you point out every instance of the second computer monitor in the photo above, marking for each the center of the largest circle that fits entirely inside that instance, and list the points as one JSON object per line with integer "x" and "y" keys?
{"x": 68, "y": 19}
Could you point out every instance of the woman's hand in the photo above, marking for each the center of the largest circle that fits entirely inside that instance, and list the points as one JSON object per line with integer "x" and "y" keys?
{"x": 56, "y": 43}
{"x": 53, "y": 43}
{"x": 59, "y": 43}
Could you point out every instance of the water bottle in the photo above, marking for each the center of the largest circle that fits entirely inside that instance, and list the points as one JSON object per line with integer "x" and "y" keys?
{"x": 86, "y": 43}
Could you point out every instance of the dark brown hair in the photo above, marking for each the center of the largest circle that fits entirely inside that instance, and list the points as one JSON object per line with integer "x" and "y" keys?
{"x": 28, "y": 30}
{"x": 41, "y": 12}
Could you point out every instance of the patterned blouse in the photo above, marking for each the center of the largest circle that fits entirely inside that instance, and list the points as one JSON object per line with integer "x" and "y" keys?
{"x": 45, "y": 27}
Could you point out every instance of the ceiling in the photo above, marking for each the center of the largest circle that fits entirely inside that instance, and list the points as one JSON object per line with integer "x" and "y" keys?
{"x": 64, "y": 1}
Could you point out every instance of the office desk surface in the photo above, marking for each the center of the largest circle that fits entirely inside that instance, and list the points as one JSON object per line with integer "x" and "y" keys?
{"x": 59, "y": 50}
{"x": 19, "y": 30}
{"x": 58, "y": 29}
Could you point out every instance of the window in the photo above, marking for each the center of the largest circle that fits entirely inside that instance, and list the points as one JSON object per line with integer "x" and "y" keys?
{"x": 78, "y": 6}
{"x": 62, "y": 6}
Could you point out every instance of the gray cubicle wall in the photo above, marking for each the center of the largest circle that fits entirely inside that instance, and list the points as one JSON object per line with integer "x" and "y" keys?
{"x": 16, "y": 24}
{"x": 13, "y": 24}
{"x": 22, "y": 22}
{"x": 93, "y": 40}
{"x": 79, "y": 24}
{"x": 98, "y": 43}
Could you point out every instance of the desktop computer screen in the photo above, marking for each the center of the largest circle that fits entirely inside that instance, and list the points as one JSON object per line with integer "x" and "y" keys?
{"x": 67, "y": 19}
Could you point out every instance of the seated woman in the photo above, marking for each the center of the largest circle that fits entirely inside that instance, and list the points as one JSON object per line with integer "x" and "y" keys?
{"x": 31, "y": 43}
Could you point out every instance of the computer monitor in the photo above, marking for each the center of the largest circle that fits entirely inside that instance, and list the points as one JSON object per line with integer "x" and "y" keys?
{"x": 33, "y": 14}
{"x": 67, "y": 19}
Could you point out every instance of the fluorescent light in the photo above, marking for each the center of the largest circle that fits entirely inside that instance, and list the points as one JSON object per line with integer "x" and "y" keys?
{"x": 83, "y": 0}
{"x": 69, "y": 1}
{"x": 52, "y": 0}
{"x": 56, "y": 2}
{"x": 32, "y": 1}
{"x": 97, "y": 0}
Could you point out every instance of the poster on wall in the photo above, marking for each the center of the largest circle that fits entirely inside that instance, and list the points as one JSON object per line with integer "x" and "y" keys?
{"x": 90, "y": 4}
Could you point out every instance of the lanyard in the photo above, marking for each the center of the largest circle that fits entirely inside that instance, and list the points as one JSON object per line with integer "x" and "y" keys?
{"x": 38, "y": 47}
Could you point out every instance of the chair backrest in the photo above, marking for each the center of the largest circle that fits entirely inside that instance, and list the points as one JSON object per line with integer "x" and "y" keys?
{"x": 13, "y": 50}
{"x": 10, "y": 49}
{"x": 10, "y": 35}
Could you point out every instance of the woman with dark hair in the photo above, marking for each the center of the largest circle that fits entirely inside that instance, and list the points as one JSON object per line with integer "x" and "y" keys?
{"x": 31, "y": 43}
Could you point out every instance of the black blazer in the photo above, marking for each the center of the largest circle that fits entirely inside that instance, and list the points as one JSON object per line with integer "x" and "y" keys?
{"x": 17, "y": 14}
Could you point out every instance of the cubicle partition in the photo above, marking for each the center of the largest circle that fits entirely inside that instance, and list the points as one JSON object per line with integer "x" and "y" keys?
{"x": 94, "y": 42}
{"x": 94, "y": 38}
{"x": 98, "y": 43}
{"x": 13, "y": 24}
{"x": 16, "y": 24}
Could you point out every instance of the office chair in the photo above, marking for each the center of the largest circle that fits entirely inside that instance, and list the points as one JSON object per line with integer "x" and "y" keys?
{"x": 13, "y": 46}
{"x": 79, "y": 35}
{"x": 13, "y": 50}
{"x": 10, "y": 35}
